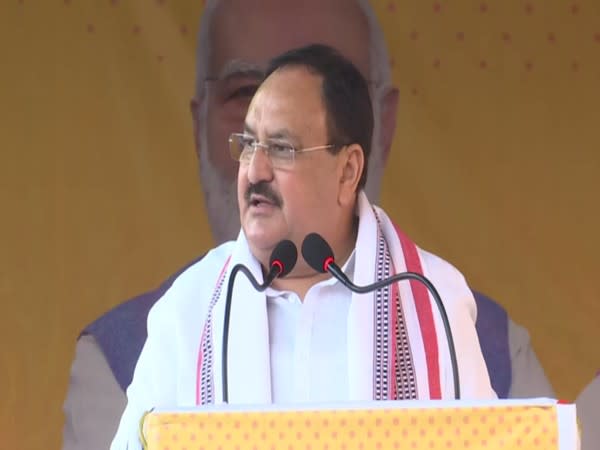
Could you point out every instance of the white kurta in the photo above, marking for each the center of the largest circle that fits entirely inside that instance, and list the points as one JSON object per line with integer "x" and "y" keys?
{"x": 308, "y": 342}
{"x": 166, "y": 373}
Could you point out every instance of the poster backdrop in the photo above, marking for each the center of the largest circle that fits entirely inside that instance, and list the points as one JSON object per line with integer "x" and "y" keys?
{"x": 494, "y": 166}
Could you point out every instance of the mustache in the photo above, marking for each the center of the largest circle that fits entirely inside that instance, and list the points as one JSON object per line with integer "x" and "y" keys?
{"x": 263, "y": 188}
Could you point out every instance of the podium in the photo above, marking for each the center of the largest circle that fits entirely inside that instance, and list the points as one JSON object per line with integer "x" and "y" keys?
{"x": 539, "y": 424}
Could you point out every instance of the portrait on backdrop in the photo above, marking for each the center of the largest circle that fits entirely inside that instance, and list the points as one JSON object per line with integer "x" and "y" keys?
{"x": 139, "y": 156}
{"x": 228, "y": 73}
{"x": 495, "y": 174}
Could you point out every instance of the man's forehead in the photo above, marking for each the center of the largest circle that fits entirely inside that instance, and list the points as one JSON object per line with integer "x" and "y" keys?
{"x": 291, "y": 99}
{"x": 292, "y": 81}
{"x": 246, "y": 34}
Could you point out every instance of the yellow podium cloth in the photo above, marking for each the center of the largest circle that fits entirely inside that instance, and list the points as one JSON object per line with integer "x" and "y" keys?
{"x": 389, "y": 425}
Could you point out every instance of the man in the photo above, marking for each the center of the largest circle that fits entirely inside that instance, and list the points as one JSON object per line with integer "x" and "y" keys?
{"x": 229, "y": 70}
{"x": 302, "y": 168}
{"x": 588, "y": 413}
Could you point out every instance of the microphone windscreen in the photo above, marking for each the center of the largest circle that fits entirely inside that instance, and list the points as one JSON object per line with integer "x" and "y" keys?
{"x": 317, "y": 252}
{"x": 284, "y": 255}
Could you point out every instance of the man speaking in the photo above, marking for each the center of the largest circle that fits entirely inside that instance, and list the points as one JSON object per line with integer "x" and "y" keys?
{"x": 302, "y": 168}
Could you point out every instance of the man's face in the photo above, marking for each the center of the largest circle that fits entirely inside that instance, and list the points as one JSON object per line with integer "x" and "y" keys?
{"x": 245, "y": 35}
{"x": 287, "y": 200}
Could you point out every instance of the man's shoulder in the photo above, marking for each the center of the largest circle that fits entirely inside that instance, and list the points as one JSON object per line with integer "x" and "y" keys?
{"x": 130, "y": 312}
{"x": 192, "y": 287}
{"x": 203, "y": 269}
{"x": 443, "y": 274}
{"x": 121, "y": 332}
{"x": 436, "y": 261}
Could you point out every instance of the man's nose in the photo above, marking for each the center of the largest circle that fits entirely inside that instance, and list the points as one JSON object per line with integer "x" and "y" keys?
{"x": 260, "y": 167}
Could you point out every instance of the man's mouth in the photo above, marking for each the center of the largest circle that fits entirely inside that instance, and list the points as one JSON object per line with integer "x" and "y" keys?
{"x": 260, "y": 195}
{"x": 259, "y": 200}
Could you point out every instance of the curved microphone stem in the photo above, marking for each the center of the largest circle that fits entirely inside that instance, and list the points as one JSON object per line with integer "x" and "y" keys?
{"x": 275, "y": 270}
{"x": 341, "y": 276}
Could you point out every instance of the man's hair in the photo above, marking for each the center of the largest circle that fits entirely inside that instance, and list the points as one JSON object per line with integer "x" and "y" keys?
{"x": 345, "y": 95}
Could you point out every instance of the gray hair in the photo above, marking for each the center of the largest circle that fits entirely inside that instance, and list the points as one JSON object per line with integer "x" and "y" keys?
{"x": 380, "y": 68}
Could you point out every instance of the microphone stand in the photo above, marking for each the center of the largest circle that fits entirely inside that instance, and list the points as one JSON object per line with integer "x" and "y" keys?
{"x": 335, "y": 270}
{"x": 273, "y": 273}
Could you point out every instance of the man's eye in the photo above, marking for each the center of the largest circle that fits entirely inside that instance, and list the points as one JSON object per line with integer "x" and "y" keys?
{"x": 280, "y": 148}
{"x": 243, "y": 92}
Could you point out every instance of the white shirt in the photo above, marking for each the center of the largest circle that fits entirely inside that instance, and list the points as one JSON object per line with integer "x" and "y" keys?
{"x": 166, "y": 376}
{"x": 308, "y": 342}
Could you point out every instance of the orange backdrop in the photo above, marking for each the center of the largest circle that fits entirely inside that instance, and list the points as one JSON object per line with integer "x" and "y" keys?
{"x": 495, "y": 167}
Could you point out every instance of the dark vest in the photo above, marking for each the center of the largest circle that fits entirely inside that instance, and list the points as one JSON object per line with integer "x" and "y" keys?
{"x": 121, "y": 333}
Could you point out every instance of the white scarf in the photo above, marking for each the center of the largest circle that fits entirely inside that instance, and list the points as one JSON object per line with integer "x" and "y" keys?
{"x": 393, "y": 353}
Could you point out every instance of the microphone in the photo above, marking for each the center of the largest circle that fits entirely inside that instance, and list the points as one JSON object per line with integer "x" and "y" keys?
{"x": 318, "y": 254}
{"x": 282, "y": 261}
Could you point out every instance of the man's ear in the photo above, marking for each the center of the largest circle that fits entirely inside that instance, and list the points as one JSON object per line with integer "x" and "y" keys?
{"x": 388, "y": 112}
{"x": 352, "y": 169}
{"x": 196, "y": 104}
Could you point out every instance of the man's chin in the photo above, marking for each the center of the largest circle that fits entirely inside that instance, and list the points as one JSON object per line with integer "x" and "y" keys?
{"x": 262, "y": 243}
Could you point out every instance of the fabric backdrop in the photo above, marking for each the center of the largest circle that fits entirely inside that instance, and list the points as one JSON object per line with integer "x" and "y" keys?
{"x": 494, "y": 166}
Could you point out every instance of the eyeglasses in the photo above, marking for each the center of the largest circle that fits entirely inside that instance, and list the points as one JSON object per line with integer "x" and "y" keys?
{"x": 242, "y": 148}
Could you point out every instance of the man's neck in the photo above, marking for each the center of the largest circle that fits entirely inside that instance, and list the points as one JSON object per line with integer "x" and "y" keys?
{"x": 304, "y": 277}
{"x": 300, "y": 285}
